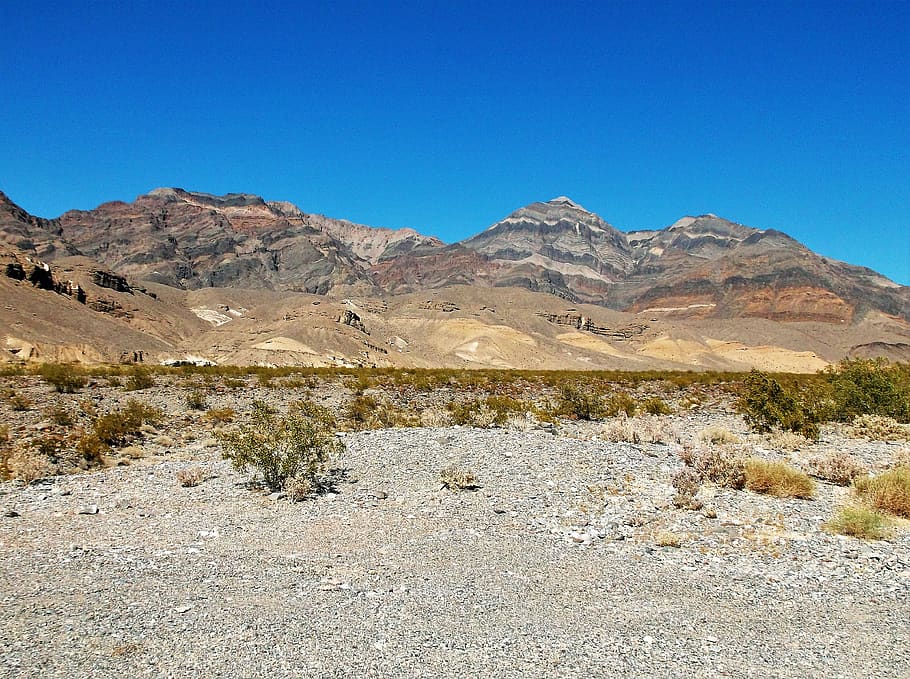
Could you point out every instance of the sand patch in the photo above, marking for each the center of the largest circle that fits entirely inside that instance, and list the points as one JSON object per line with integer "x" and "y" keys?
{"x": 587, "y": 342}
{"x": 284, "y": 344}
{"x": 710, "y": 352}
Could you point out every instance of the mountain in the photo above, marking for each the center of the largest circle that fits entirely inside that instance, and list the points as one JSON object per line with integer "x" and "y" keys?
{"x": 702, "y": 266}
{"x": 192, "y": 240}
{"x": 240, "y": 279}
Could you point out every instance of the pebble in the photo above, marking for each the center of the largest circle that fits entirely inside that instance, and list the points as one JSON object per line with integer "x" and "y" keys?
{"x": 551, "y": 569}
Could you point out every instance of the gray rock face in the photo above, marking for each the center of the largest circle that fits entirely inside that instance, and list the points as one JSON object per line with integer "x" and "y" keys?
{"x": 558, "y": 232}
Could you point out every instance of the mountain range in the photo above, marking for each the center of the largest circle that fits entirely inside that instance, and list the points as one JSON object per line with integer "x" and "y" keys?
{"x": 176, "y": 248}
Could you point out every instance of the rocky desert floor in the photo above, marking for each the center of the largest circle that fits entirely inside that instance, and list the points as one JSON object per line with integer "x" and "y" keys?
{"x": 569, "y": 558}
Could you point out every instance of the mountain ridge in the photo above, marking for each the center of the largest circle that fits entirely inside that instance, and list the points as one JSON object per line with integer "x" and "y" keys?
{"x": 699, "y": 267}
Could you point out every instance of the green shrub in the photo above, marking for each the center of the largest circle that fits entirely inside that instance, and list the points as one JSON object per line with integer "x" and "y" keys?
{"x": 766, "y": 404}
{"x": 65, "y": 378}
{"x": 580, "y": 403}
{"x": 888, "y": 492}
{"x": 493, "y": 411}
{"x": 60, "y": 416}
{"x": 621, "y": 402}
{"x": 870, "y": 387}
{"x": 656, "y": 406}
{"x": 195, "y": 400}
{"x": 860, "y": 522}
{"x": 324, "y": 416}
{"x": 777, "y": 479}
{"x": 139, "y": 378}
{"x": 368, "y": 412}
{"x": 280, "y": 448}
{"x": 121, "y": 426}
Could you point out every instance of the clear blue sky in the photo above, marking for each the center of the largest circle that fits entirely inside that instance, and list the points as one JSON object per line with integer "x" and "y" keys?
{"x": 445, "y": 117}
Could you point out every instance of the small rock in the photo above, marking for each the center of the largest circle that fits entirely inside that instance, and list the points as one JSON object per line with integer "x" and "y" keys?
{"x": 183, "y": 609}
{"x": 11, "y": 514}
{"x": 88, "y": 509}
{"x": 378, "y": 494}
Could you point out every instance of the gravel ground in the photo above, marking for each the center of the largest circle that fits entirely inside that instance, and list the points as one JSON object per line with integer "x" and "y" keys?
{"x": 553, "y": 567}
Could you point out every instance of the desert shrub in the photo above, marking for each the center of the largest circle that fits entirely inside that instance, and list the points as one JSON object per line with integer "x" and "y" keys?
{"x": 888, "y": 492}
{"x": 121, "y": 426}
{"x": 716, "y": 465}
{"x": 139, "y": 378}
{"x": 133, "y": 452}
{"x": 869, "y": 387}
{"x": 649, "y": 429}
{"x": 361, "y": 409}
{"x": 368, "y": 412}
{"x": 777, "y": 479}
{"x": 50, "y": 446}
{"x": 4, "y": 433}
{"x": 838, "y": 468}
{"x": 436, "y": 417}
{"x": 19, "y": 402}
{"x": 60, "y": 416}
{"x": 656, "y": 406}
{"x": 195, "y": 400}
{"x": 87, "y": 407}
{"x": 233, "y": 382}
{"x": 718, "y": 436}
{"x": 26, "y": 465}
{"x": 298, "y": 488}
{"x": 766, "y": 404}
{"x": 580, "y": 403}
{"x": 220, "y": 415}
{"x": 621, "y": 403}
{"x": 878, "y": 428}
{"x": 787, "y": 440}
{"x": 92, "y": 448}
{"x": 493, "y": 411}
{"x": 65, "y": 378}
{"x": 279, "y": 447}
{"x": 667, "y": 538}
{"x": 313, "y": 410}
{"x": 621, "y": 430}
{"x": 860, "y": 522}
{"x": 686, "y": 481}
{"x": 190, "y": 477}
{"x": 456, "y": 478}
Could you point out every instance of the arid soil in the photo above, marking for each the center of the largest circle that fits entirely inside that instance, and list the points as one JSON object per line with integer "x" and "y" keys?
{"x": 569, "y": 558}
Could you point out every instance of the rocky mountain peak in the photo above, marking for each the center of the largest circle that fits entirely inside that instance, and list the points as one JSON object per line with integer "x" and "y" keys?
{"x": 565, "y": 200}
{"x": 208, "y": 199}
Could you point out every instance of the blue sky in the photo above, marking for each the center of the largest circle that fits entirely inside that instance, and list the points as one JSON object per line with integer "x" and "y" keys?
{"x": 445, "y": 117}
